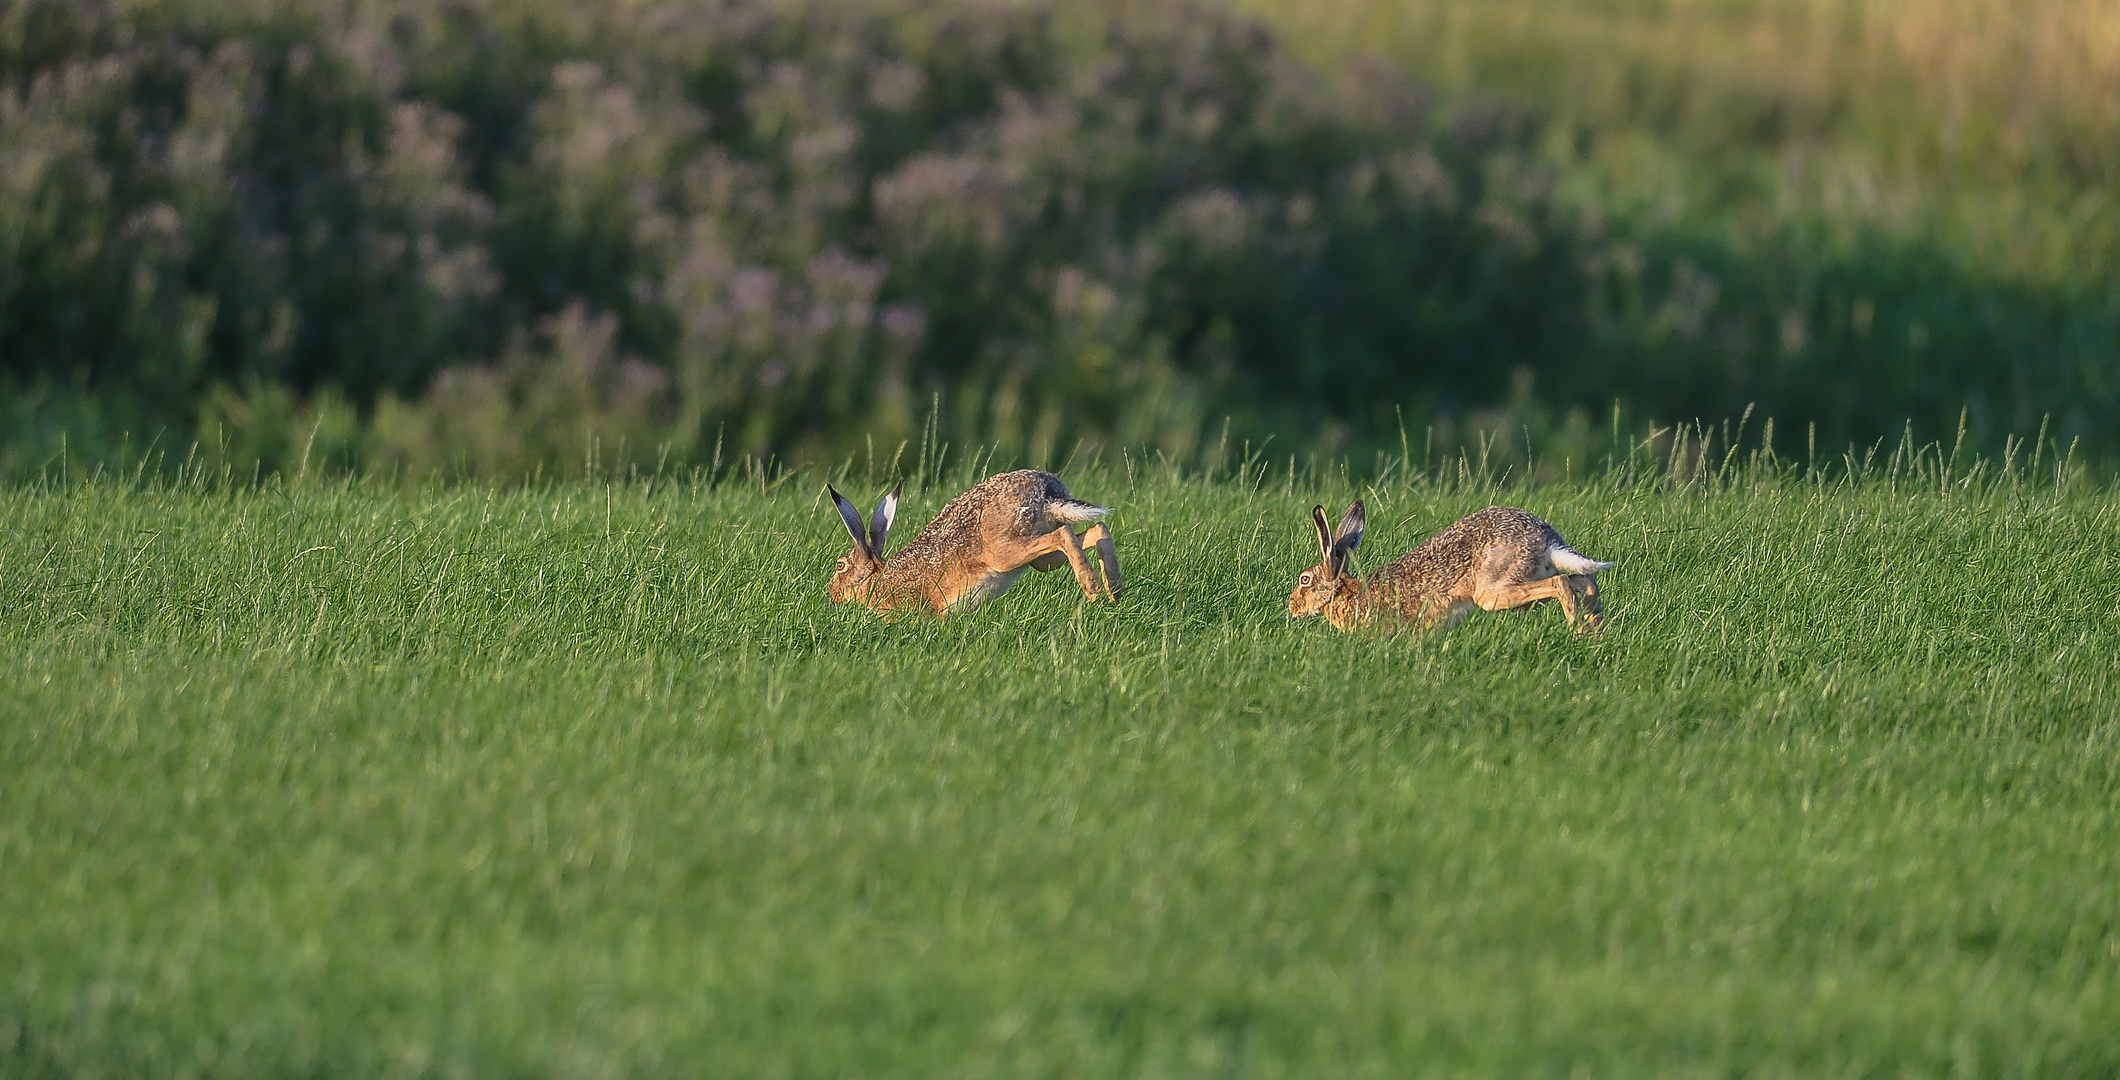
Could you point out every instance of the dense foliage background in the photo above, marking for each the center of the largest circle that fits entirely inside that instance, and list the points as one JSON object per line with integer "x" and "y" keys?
{"x": 506, "y": 236}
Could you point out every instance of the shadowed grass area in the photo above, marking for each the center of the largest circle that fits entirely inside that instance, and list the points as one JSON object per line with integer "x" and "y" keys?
{"x": 593, "y": 781}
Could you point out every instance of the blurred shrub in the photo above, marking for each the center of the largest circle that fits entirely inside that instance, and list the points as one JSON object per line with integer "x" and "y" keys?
{"x": 566, "y": 403}
{"x": 265, "y": 428}
{"x": 512, "y": 235}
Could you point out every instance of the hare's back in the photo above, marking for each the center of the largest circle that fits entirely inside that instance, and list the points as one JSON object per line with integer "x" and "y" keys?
{"x": 1028, "y": 503}
{"x": 1435, "y": 563}
{"x": 1497, "y": 538}
{"x": 1514, "y": 528}
{"x": 1003, "y": 505}
{"x": 1522, "y": 545}
{"x": 1023, "y": 488}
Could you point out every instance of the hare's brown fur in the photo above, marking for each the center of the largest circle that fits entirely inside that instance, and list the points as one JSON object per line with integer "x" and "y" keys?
{"x": 980, "y": 544}
{"x": 1497, "y": 559}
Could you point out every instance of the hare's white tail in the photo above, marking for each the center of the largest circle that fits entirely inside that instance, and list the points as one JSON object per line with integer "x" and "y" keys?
{"x": 1075, "y": 511}
{"x": 1570, "y": 561}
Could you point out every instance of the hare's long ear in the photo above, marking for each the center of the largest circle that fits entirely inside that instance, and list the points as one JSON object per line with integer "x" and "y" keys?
{"x": 851, "y": 517}
{"x": 880, "y": 524}
{"x": 1347, "y": 537}
{"x": 1317, "y": 518}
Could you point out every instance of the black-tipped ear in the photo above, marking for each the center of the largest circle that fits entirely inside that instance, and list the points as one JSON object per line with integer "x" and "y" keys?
{"x": 880, "y": 524}
{"x": 1317, "y": 518}
{"x": 851, "y": 518}
{"x": 1346, "y": 538}
{"x": 1351, "y": 524}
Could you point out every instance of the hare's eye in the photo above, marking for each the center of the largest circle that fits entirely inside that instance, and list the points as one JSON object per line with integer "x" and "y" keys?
{"x": 842, "y": 566}
{"x": 1306, "y": 579}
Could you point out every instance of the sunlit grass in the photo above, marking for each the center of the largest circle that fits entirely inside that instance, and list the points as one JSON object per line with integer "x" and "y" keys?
{"x": 589, "y": 780}
{"x": 1989, "y": 125}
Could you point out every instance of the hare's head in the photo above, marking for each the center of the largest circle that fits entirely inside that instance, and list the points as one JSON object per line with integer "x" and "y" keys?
{"x": 1329, "y": 577}
{"x": 851, "y": 577}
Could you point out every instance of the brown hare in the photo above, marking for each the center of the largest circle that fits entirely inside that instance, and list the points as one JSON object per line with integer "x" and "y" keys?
{"x": 1497, "y": 559}
{"x": 976, "y": 547}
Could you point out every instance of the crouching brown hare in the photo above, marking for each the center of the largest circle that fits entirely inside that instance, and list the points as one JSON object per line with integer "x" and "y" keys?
{"x": 1497, "y": 559}
{"x": 976, "y": 547}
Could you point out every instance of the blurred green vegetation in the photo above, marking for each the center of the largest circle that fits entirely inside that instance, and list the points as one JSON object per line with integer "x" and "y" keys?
{"x": 1922, "y": 192}
{"x": 517, "y": 237}
{"x": 1992, "y": 127}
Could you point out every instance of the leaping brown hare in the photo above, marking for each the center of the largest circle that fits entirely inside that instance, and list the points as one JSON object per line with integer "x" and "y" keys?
{"x": 1497, "y": 559}
{"x": 975, "y": 548}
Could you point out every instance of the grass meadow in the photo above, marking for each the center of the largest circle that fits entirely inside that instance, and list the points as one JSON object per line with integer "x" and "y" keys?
{"x": 339, "y": 779}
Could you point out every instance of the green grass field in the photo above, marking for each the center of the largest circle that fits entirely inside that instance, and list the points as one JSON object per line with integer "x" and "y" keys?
{"x": 331, "y": 781}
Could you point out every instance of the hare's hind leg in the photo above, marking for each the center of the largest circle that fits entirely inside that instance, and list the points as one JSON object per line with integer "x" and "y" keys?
{"x": 1108, "y": 555}
{"x": 1508, "y": 596}
{"x": 1585, "y": 586}
{"x": 1061, "y": 541}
